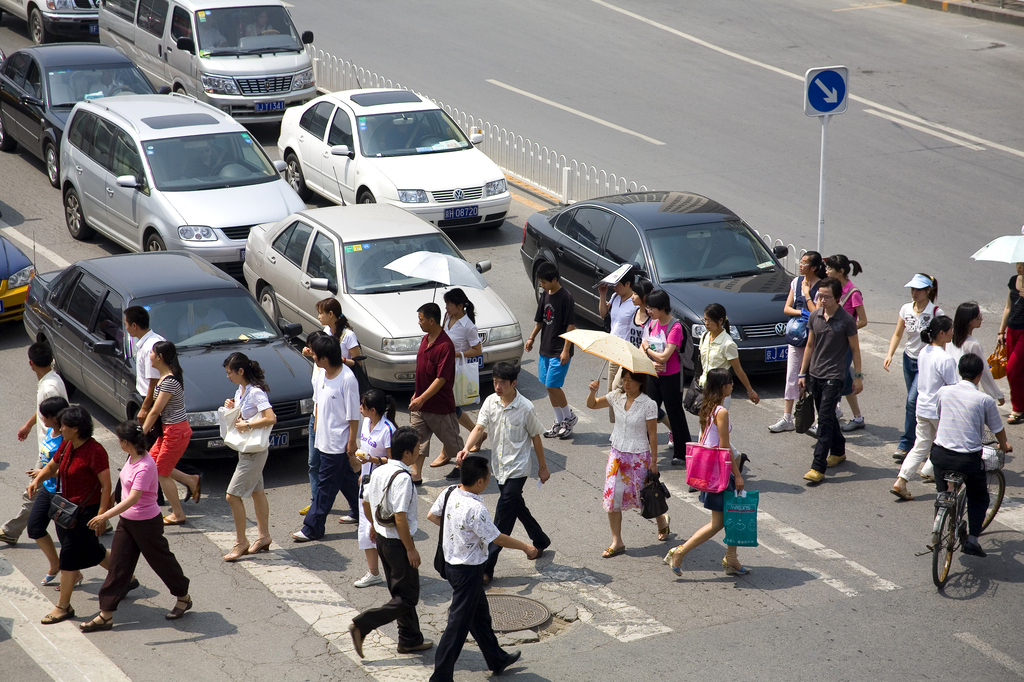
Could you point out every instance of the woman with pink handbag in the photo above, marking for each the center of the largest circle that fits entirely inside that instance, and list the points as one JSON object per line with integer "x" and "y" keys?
{"x": 715, "y": 427}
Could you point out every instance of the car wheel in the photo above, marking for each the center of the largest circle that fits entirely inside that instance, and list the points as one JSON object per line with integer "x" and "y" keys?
{"x": 537, "y": 291}
{"x": 493, "y": 225}
{"x": 293, "y": 176}
{"x": 7, "y": 142}
{"x": 52, "y": 164}
{"x": 74, "y": 217}
{"x": 154, "y": 242}
{"x": 366, "y": 197}
{"x": 268, "y": 301}
{"x": 36, "y": 27}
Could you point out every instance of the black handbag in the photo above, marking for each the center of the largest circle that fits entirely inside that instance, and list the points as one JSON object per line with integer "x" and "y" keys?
{"x": 439, "y": 562}
{"x": 63, "y": 511}
{"x": 803, "y": 414}
{"x": 693, "y": 398}
{"x": 653, "y": 497}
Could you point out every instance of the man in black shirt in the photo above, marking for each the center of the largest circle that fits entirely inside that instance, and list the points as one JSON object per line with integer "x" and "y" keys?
{"x": 556, "y": 315}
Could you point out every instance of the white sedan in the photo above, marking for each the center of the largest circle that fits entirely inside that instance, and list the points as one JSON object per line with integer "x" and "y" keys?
{"x": 404, "y": 151}
{"x": 341, "y": 251}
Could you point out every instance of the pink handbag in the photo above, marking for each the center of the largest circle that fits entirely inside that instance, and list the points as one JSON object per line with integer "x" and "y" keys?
{"x": 708, "y": 468}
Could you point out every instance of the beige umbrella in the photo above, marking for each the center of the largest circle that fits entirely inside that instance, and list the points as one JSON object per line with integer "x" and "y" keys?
{"x": 613, "y": 349}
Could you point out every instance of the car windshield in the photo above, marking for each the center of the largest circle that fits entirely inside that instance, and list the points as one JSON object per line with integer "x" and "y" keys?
{"x": 246, "y": 30}
{"x": 71, "y": 84}
{"x": 364, "y": 262}
{"x": 721, "y": 250}
{"x": 408, "y": 133}
{"x": 218, "y": 317}
{"x": 187, "y": 164}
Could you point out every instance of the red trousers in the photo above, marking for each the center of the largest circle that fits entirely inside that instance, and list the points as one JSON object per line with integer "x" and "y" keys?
{"x": 1015, "y": 367}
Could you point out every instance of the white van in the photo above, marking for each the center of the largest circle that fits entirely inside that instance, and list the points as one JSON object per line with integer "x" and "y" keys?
{"x": 244, "y": 57}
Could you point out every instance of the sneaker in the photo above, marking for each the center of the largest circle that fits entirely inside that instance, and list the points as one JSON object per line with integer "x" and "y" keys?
{"x": 813, "y": 431}
{"x": 833, "y": 460}
{"x": 571, "y": 420}
{"x": 784, "y": 424}
{"x": 814, "y": 476}
{"x": 299, "y": 536}
{"x": 369, "y": 580}
{"x": 678, "y": 461}
{"x": 553, "y": 432}
{"x": 565, "y": 430}
{"x": 305, "y": 510}
{"x": 899, "y": 456}
{"x": 974, "y": 549}
{"x": 4, "y": 537}
{"x": 348, "y": 518}
{"x": 853, "y": 424}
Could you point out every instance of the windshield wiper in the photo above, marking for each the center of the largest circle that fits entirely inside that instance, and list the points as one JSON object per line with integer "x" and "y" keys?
{"x": 62, "y": 105}
{"x": 224, "y": 51}
{"x": 227, "y": 342}
{"x": 747, "y": 273}
{"x": 267, "y": 50}
{"x": 684, "y": 279}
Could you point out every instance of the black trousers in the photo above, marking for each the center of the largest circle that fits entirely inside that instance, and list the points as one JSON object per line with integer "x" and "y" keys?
{"x": 469, "y": 613}
{"x": 38, "y": 518}
{"x": 826, "y": 394}
{"x": 511, "y": 508}
{"x": 404, "y": 584}
{"x": 976, "y": 480}
{"x": 131, "y": 539}
{"x": 666, "y": 389}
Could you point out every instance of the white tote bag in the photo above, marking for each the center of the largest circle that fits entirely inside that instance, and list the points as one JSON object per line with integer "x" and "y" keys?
{"x": 467, "y": 380}
{"x": 250, "y": 442}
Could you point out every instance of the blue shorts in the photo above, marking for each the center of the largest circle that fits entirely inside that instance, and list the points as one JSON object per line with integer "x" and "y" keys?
{"x": 551, "y": 371}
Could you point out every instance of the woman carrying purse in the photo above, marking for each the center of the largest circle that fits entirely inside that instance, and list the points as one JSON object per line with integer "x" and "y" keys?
{"x": 247, "y": 481}
{"x": 714, "y": 422}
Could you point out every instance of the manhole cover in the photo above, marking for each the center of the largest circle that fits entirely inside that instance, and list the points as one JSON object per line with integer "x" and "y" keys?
{"x": 510, "y": 612}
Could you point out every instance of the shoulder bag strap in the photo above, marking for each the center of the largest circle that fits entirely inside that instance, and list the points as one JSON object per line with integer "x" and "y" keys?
{"x": 847, "y": 295}
{"x": 711, "y": 420}
{"x": 444, "y": 508}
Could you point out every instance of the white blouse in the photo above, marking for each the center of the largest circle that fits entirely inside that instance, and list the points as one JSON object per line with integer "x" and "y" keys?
{"x": 971, "y": 345}
{"x": 463, "y": 333}
{"x": 630, "y": 431}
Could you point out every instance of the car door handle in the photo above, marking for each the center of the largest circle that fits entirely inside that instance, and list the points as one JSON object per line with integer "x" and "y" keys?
{"x": 79, "y": 169}
{"x": 272, "y": 259}
{"x": 304, "y": 283}
{"x": 110, "y": 192}
{"x": 559, "y": 250}
{"x": 302, "y": 138}
{"x": 57, "y": 322}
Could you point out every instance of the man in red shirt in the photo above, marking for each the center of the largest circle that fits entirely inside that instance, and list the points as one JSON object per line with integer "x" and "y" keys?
{"x": 432, "y": 408}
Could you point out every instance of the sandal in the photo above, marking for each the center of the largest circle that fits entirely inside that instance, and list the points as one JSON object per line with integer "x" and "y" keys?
{"x": 613, "y": 551}
{"x": 78, "y": 582}
{"x": 194, "y": 494}
{"x": 177, "y": 612}
{"x": 237, "y": 552}
{"x": 168, "y": 521}
{"x": 261, "y": 545}
{"x": 49, "y": 578}
{"x": 50, "y": 619}
{"x": 902, "y": 494}
{"x": 663, "y": 533}
{"x": 1015, "y": 418}
{"x": 97, "y": 623}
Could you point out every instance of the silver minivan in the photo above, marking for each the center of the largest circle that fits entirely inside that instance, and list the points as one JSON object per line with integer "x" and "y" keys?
{"x": 244, "y": 57}
{"x": 167, "y": 172}
{"x": 49, "y": 18}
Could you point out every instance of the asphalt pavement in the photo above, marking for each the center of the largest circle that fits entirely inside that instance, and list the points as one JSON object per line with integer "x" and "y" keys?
{"x": 837, "y": 590}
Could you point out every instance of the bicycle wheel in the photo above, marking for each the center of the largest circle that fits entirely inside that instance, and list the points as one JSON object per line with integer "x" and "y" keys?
{"x": 942, "y": 551}
{"x": 996, "y": 490}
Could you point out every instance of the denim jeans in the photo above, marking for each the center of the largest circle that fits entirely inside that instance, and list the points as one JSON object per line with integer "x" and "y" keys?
{"x": 314, "y": 460}
{"x": 830, "y": 437}
{"x": 910, "y": 418}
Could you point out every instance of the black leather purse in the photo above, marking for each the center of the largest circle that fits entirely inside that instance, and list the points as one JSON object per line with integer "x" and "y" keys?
{"x": 653, "y": 497}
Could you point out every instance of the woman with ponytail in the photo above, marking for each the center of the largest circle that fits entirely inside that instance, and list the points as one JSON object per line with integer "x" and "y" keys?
{"x": 169, "y": 406}
{"x": 935, "y": 369}
{"x": 247, "y": 481}
{"x": 328, "y": 311}
{"x": 139, "y": 532}
{"x": 715, "y": 427}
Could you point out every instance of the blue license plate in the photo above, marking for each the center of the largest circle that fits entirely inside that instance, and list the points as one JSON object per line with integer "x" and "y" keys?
{"x": 279, "y": 440}
{"x": 464, "y": 212}
{"x": 94, "y": 29}
{"x": 241, "y": 254}
{"x": 270, "y": 106}
{"x": 1, "y": 306}
{"x": 777, "y": 354}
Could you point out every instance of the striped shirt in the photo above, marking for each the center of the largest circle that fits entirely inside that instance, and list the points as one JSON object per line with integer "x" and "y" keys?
{"x": 174, "y": 410}
{"x": 964, "y": 412}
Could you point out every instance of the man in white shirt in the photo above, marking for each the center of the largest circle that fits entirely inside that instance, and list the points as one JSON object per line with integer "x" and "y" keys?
{"x": 336, "y": 395}
{"x": 509, "y": 420}
{"x": 48, "y": 385}
{"x": 467, "y": 531}
{"x": 391, "y": 483}
{"x": 136, "y": 323}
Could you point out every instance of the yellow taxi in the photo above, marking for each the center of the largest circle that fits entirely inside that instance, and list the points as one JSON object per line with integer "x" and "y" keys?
{"x": 16, "y": 271}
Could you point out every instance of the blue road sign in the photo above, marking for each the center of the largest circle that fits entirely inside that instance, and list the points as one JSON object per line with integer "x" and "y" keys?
{"x": 825, "y": 91}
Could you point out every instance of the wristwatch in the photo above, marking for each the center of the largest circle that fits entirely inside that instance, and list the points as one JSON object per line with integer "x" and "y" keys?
{"x": 858, "y": 375}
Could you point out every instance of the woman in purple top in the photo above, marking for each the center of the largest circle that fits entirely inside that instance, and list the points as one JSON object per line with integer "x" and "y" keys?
{"x": 140, "y": 531}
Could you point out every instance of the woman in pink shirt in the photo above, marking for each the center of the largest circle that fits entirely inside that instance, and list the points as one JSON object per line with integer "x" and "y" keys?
{"x": 140, "y": 531}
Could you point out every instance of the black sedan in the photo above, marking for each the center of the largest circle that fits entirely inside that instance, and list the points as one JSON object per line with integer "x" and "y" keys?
{"x": 40, "y": 85}
{"x": 207, "y": 314}
{"x": 694, "y": 248}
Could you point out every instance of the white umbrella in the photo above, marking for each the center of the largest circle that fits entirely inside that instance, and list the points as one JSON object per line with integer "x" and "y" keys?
{"x": 440, "y": 268}
{"x": 1008, "y": 249}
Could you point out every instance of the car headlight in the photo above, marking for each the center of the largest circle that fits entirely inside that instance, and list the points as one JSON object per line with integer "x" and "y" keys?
{"x": 734, "y": 332}
{"x": 60, "y": 4}
{"x": 406, "y": 344}
{"x": 306, "y": 406}
{"x": 197, "y": 233}
{"x": 220, "y": 85}
{"x": 412, "y": 196}
{"x": 698, "y": 330}
{"x": 301, "y": 81}
{"x": 21, "y": 277}
{"x": 203, "y": 419}
{"x": 496, "y": 187}
{"x": 509, "y": 331}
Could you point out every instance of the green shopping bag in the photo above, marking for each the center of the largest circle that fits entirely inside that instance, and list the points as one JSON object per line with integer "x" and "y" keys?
{"x": 741, "y": 518}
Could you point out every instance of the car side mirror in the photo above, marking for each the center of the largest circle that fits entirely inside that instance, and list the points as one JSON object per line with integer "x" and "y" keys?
{"x": 342, "y": 150}
{"x": 28, "y": 100}
{"x": 280, "y": 166}
{"x": 639, "y": 270}
{"x": 780, "y": 251}
{"x": 323, "y": 284}
{"x": 483, "y": 266}
{"x": 107, "y": 348}
{"x": 289, "y": 329}
{"x": 187, "y": 45}
{"x": 129, "y": 181}
{"x": 163, "y": 90}
{"x": 307, "y": 37}
{"x": 476, "y": 138}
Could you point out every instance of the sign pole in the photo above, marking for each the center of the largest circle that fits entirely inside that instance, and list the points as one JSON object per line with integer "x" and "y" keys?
{"x": 821, "y": 187}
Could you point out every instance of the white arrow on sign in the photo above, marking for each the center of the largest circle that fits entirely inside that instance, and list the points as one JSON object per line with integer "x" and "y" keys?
{"x": 831, "y": 96}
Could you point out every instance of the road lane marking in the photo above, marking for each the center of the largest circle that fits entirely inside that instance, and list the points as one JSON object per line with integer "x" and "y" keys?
{"x": 577, "y": 112}
{"x": 996, "y": 655}
{"x": 61, "y": 650}
{"x": 28, "y": 243}
{"x": 799, "y": 77}
{"x": 875, "y": 6}
{"x": 924, "y": 129}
